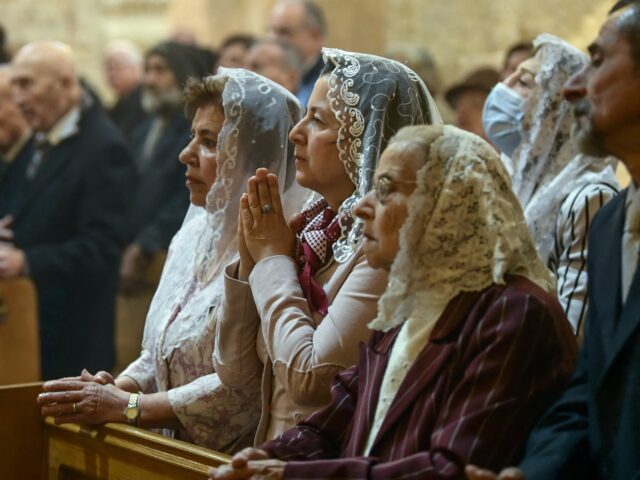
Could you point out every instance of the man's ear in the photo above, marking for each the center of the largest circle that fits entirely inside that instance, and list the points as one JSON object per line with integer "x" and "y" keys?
{"x": 66, "y": 81}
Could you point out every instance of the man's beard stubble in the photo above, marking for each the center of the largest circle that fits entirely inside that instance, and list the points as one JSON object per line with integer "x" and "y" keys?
{"x": 588, "y": 140}
{"x": 161, "y": 102}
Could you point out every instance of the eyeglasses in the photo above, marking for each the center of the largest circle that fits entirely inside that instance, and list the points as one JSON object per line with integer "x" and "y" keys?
{"x": 384, "y": 186}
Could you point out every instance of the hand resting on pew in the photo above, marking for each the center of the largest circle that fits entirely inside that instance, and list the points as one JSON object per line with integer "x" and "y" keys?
{"x": 97, "y": 399}
{"x": 476, "y": 473}
{"x": 250, "y": 463}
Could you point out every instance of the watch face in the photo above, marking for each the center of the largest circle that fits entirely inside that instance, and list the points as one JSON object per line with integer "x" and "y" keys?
{"x": 131, "y": 413}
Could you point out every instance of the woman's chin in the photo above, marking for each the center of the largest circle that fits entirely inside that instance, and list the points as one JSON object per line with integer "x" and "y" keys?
{"x": 303, "y": 180}
{"x": 198, "y": 199}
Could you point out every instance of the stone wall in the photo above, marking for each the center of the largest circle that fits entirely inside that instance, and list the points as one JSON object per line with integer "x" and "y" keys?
{"x": 461, "y": 34}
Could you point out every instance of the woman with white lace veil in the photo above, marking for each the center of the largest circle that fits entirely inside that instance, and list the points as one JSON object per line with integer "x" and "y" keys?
{"x": 299, "y": 299}
{"x": 470, "y": 344}
{"x": 559, "y": 188}
{"x": 241, "y": 122}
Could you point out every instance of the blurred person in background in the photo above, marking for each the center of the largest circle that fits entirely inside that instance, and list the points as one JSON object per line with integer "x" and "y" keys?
{"x": 123, "y": 71}
{"x": 68, "y": 210}
{"x": 516, "y": 54}
{"x": 161, "y": 200}
{"x": 420, "y": 60}
{"x": 233, "y": 50}
{"x": 15, "y": 134}
{"x": 277, "y": 60}
{"x": 302, "y": 23}
{"x": 467, "y": 99}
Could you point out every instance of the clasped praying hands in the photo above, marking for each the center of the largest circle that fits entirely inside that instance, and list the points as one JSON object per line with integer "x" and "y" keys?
{"x": 262, "y": 229}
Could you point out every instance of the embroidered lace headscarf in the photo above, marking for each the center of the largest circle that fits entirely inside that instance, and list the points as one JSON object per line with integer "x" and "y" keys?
{"x": 258, "y": 117}
{"x": 548, "y": 165}
{"x": 464, "y": 231}
{"x": 372, "y": 98}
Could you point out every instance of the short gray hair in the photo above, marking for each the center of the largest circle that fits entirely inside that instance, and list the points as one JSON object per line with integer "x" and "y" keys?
{"x": 292, "y": 58}
{"x": 315, "y": 16}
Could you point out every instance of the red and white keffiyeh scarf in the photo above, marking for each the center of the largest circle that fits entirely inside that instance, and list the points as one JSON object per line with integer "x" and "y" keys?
{"x": 315, "y": 239}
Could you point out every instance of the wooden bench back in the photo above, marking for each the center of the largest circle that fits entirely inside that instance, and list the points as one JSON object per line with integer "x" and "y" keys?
{"x": 19, "y": 332}
{"x": 33, "y": 449}
{"x": 21, "y": 432}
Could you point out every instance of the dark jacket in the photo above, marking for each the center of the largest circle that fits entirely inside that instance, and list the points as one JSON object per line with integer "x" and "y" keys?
{"x": 494, "y": 361}
{"x": 70, "y": 220}
{"x": 162, "y": 197}
{"x": 9, "y": 177}
{"x": 593, "y": 431}
{"x": 127, "y": 112}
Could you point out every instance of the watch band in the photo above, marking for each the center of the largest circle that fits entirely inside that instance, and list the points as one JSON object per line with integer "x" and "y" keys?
{"x": 132, "y": 412}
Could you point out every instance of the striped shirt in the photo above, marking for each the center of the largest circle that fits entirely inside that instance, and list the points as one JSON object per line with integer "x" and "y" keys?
{"x": 568, "y": 260}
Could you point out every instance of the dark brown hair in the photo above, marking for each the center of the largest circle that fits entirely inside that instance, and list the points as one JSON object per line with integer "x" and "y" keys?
{"x": 629, "y": 28}
{"x": 202, "y": 92}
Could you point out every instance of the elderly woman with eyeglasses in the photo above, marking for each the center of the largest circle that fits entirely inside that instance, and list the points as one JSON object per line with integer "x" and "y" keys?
{"x": 470, "y": 344}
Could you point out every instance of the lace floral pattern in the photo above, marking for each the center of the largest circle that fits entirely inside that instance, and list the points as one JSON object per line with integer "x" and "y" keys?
{"x": 548, "y": 165}
{"x": 372, "y": 98}
{"x": 179, "y": 331}
{"x": 465, "y": 230}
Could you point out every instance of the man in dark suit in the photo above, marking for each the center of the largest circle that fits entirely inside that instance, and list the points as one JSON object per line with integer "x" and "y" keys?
{"x": 161, "y": 198}
{"x": 68, "y": 205}
{"x": 593, "y": 430}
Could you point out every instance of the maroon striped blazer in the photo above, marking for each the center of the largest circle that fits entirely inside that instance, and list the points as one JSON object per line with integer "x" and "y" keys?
{"x": 495, "y": 361}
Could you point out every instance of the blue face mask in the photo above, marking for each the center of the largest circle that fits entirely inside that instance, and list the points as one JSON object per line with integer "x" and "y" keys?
{"x": 502, "y": 118}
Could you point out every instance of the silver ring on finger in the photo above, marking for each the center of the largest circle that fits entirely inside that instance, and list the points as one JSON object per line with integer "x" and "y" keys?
{"x": 266, "y": 208}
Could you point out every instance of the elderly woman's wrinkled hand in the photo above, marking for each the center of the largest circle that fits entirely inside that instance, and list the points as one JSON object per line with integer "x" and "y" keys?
{"x": 82, "y": 401}
{"x": 266, "y": 231}
{"x": 250, "y": 463}
{"x": 476, "y": 473}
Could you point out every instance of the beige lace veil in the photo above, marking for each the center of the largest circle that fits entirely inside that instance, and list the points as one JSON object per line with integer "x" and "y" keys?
{"x": 465, "y": 230}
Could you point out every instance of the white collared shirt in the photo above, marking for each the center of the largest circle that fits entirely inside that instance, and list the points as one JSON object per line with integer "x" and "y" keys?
{"x": 65, "y": 127}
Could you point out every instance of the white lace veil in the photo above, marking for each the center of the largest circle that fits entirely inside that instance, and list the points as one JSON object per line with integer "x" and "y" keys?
{"x": 372, "y": 98}
{"x": 258, "y": 117}
{"x": 464, "y": 231}
{"x": 548, "y": 164}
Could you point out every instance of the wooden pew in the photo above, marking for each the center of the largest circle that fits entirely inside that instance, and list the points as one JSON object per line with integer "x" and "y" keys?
{"x": 19, "y": 332}
{"x": 43, "y": 450}
{"x": 21, "y": 432}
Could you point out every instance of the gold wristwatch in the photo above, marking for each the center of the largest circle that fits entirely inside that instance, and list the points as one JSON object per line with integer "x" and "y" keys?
{"x": 132, "y": 412}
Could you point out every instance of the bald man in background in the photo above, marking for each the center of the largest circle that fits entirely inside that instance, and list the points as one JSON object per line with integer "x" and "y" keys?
{"x": 67, "y": 210}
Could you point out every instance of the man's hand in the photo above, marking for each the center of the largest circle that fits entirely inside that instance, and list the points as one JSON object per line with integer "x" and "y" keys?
{"x": 250, "y": 463}
{"x": 6, "y": 234}
{"x": 12, "y": 261}
{"x": 132, "y": 269}
{"x": 511, "y": 473}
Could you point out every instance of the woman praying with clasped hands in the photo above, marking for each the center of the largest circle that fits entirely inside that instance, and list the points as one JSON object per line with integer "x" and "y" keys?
{"x": 297, "y": 303}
